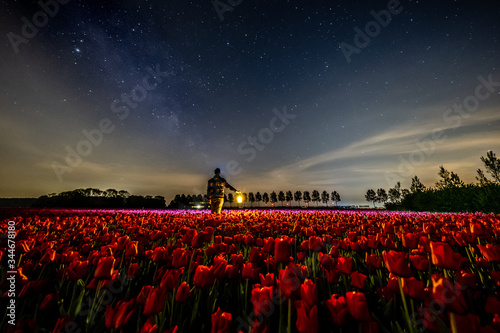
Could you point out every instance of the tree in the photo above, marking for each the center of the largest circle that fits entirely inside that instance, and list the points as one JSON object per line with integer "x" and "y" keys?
{"x": 265, "y": 198}
{"x": 381, "y": 195}
{"x": 258, "y": 198}
{"x": 111, "y": 193}
{"x": 230, "y": 199}
{"x": 123, "y": 194}
{"x": 395, "y": 193}
{"x": 274, "y": 198}
{"x": 288, "y": 197}
{"x": 448, "y": 179}
{"x": 315, "y": 197}
{"x": 335, "y": 197}
{"x": 371, "y": 196}
{"x": 251, "y": 198}
{"x": 307, "y": 198}
{"x": 416, "y": 185}
{"x": 325, "y": 197}
{"x": 481, "y": 178}
{"x": 297, "y": 197}
{"x": 281, "y": 197}
{"x": 492, "y": 165}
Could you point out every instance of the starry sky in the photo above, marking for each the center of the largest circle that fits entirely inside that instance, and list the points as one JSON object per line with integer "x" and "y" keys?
{"x": 152, "y": 96}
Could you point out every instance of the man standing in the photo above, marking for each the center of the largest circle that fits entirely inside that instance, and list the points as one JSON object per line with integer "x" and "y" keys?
{"x": 215, "y": 191}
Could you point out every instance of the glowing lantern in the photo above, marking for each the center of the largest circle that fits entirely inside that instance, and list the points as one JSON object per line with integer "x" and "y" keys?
{"x": 239, "y": 198}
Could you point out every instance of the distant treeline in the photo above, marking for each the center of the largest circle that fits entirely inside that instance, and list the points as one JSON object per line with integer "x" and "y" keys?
{"x": 285, "y": 198}
{"x": 95, "y": 198}
{"x": 449, "y": 194}
{"x": 16, "y": 202}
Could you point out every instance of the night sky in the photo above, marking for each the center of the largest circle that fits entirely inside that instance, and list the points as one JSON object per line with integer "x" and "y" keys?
{"x": 281, "y": 95}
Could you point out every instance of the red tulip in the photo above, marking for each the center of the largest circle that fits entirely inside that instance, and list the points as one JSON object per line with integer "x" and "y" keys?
{"x": 104, "y": 268}
{"x": 48, "y": 256}
{"x": 337, "y": 308}
{"x": 149, "y": 326}
{"x": 420, "y": 263}
{"x": 133, "y": 270}
{"x": 357, "y": 306}
{"x": 344, "y": 265}
{"x": 155, "y": 301}
{"x": 221, "y": 321}
{"x": 170, "y": 278}
{"x": 288, "y": 281}
{"x": 131, "y": 249}
{"x": 202, "y": 276}
{"x": 143, "y": 294}
{"x": 62, "y": 324}
{"x": 410, "y": 240}
{"x": 124, "y": 312}
{"x": 466, "y": 278}
{"x": 373, "y": 261}
{"x": 183, "y": 293}
{"x": 307, "y": 317}
{"x": 413, "y": 287}
{"x": 262, "y": 301}
{"x": 316, "y": 243}
{"x": 490, "y": 251}
{"x": 180, "y": 257}
{"x": 397, "y": 263}
{"x": 308, "y": 292}
{"x": 447, "y": 294}
{"x": 267, "y": 281}
{"x": 358, "y": 280}
{"x": 282, "y": 251}
{"x": 249, "y": 272}
{"x": 76, "y": 270}
{"x": 443, "y": 256}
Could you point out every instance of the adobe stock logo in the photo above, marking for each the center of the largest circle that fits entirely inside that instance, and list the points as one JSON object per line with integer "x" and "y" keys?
{"x": 39, "y": 20}
{"x": 372, "y": 29}
{"x": 221, "y": 7}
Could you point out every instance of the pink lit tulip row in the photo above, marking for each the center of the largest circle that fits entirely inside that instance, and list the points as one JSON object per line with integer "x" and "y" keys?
{"x": 254, "y": 271}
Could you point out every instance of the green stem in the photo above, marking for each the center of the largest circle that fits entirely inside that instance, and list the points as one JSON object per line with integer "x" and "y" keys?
{"x": 407, "y": 314}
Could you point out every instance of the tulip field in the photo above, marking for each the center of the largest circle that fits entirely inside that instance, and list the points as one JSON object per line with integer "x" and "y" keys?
{"x": 250, "y": 271}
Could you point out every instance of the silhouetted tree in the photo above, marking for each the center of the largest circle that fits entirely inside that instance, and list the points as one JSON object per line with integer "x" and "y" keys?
{"x": 274, "y": 198}
{"x": 307, "y": 197}
{"x": 395, "y": 193}
{"x": 325, "y": 197}
{"x": 281, "y": 197}
{"x": 258, "y": 198}
{"x": 416, "y": 185}
{"x": 335, "y": 197}
{"x": 371, "y": 196}
{"x": 492, "y": 165}
{"x": 297, "y": 197}
{"x": 251, "y": 198}
{"x": 381, "y": 195}
{"x": 448, "y": 179}
{"x": 315, "y": 197}
{"x": 288, "y": 197}
{"x": 265, "y": 198}
{"x": 230, "y": 199}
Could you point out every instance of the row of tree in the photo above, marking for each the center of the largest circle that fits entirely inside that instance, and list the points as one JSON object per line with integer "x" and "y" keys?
{"x": 96, "y": 198}
{"x": 183, "y": 201}
{"x": 449, "y": 194}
